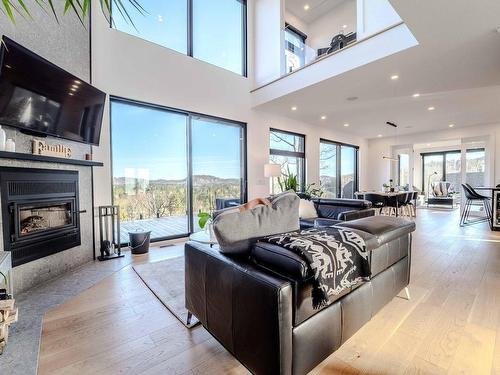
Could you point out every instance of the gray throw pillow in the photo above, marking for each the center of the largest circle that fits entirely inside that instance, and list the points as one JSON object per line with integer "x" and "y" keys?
{"x": 237, "y": 231}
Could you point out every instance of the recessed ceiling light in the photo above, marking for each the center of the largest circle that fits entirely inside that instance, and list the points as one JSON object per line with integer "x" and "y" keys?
{"x": 428, "y": 145}
{"x": 306, "y": 7}
{"x": 394, "y": 77}
{"x": 77, "y": 82}
{"x": 346, "y": 125}
{"x": 380, "y": 135}
{"x": 323, "y": 117}
{"x": 416, "y": 95}
{"x": 344, "y": 26}
{"x": 72, "y": 89}
{"x": 74, "y": 86}
{"x": 431, "y": 108}
{"x": 70, "y": 93}
{"x": 294, "y": 108}
{"x": 451, "y": 125}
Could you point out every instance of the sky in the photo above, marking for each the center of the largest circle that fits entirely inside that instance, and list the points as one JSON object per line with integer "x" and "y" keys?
{"x": 152, "y": 144}
{"x": 217, "y": 28}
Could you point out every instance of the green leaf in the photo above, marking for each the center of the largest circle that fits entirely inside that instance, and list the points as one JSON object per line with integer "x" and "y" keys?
{"x": 203, "y": 218}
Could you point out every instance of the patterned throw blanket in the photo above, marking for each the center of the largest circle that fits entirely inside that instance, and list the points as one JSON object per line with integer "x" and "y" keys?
{"x": 337, "y": 257}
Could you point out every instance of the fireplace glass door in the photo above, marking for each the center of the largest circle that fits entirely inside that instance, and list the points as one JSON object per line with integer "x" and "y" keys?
{"x": 42, "y": 217}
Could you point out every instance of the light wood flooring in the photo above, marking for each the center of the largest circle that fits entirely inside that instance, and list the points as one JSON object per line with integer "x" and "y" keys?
{"x": 451, "y": 325}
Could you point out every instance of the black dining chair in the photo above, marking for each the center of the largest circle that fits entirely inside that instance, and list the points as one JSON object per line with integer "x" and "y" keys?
{"x": 474, "y": 198}
{"x": 378, "y": 201}
{"x": 481, "y": 196}
{"x": 392, "y": 203}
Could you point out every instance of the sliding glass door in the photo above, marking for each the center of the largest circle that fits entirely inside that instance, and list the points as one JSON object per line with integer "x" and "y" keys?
{"x": 149, "y": 169}
{"x": 217, "y": 163}
{"x": 169, "y": 165}
{"x": 338, "y": 169}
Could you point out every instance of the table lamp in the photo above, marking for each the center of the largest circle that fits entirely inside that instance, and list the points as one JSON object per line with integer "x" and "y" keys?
{"x": 271, "y": 171}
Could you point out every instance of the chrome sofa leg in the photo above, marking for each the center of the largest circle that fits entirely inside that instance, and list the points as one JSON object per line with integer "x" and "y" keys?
{"x": 189, "y": 316}
{"x": 407, "y": 293}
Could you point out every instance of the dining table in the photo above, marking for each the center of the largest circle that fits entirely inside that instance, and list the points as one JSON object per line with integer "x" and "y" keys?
{"x": 494, "y": 193}
{"x": 386, "y": 194}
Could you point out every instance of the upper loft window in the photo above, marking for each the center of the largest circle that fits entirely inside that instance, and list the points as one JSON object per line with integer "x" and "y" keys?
{"x": 213, "y": 31}
{"x": 294, "y": 48}
{"x": 219, "y": 33}
{"x": 163, "y": 22}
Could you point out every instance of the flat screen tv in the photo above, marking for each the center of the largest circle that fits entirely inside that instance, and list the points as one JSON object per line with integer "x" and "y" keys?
{"x": 42, "y": 99}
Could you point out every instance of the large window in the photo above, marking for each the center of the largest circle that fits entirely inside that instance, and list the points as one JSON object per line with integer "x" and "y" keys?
{"x": 219, "y": 32}
{"x": 475, "y": 167}
{"x": 404, "y": 170}
{"x": 338, "y": 169}
{"x": 288, "y": 150}
{"x": 213, "y": 31}
{"x": 163, "y": 22}
{"x": 442, "y": 166}
{"x": 169, "y": 165}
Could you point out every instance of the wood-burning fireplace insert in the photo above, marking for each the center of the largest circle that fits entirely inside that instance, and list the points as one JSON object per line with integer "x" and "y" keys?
{"x": 40, "y": 212}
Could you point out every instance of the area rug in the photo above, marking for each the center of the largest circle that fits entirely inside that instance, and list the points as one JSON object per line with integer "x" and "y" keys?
{"x": 166, "y": 280}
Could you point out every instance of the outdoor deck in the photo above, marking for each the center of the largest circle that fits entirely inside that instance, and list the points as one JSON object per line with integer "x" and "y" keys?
{"x": 161, "y": 227}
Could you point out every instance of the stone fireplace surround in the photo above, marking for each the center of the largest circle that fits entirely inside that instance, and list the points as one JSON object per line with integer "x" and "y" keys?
{"x": 35, "y": 272}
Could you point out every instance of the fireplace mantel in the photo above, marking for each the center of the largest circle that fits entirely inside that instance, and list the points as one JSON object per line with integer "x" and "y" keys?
{"x": 49, "y": 159}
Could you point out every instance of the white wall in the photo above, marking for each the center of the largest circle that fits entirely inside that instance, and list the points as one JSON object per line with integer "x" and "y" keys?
{"x": 374, "y": 16}
{"x": 379, "y": 170}
{"x": 268, "y": 18}
{"x": 325, "y": 27}
{"x": 129, "y": 67}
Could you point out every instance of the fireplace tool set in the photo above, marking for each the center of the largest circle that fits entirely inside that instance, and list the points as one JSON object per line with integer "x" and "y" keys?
{"x": 109, "y": 232}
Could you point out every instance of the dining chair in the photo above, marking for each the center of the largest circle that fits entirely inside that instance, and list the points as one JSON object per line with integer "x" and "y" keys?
{"x": 392, "y": 203}
{"x": 473, "y": 197}
{"x": 378, "y": 201}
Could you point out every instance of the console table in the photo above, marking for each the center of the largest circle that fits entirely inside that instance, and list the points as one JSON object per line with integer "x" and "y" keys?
{"x": 6, "y": 269}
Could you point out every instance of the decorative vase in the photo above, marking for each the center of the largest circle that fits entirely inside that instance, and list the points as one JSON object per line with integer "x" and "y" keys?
{"x": 10, "y": 145}
{"x": 3, "y": 137}
{"x": 209, "y": 229}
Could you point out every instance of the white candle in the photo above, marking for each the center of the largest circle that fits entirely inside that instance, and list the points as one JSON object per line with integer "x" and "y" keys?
{"x": 10, "y": 146}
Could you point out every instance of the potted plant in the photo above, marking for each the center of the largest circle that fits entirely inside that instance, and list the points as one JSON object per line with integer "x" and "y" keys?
{"x": 205, "y": 221}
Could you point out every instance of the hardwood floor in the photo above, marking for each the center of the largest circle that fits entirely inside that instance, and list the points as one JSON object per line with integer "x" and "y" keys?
{"x": 451, "y": 325}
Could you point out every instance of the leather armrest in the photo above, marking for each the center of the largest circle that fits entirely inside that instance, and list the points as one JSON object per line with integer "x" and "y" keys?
{"x": 356, "y": 214}
{"x": 246, "y": 308}
{"x": 384, "y": 228}
{"x": 281, "y": 261}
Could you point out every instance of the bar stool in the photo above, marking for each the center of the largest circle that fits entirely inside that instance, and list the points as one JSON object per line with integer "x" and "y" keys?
{"x": 472, "y": 197}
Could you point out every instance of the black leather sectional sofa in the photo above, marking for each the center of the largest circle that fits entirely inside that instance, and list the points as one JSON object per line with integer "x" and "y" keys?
{"x": 259, "y": 306}
{"x": 333, "y": 211}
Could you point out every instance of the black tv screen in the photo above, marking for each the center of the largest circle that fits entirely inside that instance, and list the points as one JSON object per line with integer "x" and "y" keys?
{"x": 40, "y": 98}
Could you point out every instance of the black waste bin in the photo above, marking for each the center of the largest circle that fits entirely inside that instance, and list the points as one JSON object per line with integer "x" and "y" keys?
{"x": 139, "y": 242}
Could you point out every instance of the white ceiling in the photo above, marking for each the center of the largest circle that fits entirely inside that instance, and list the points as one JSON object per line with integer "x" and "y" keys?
{"x": 317, "y": 8}
{"x": 455, "y": 68}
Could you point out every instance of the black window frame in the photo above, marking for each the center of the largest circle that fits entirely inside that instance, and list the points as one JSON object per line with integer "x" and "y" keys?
{"x": 338, "y": 162}
{"x": 189, "y": 25}
{"x": 443, "y": 170}
{"x": 189, "y": 181}
{"x": 293, "y": 154}
{"x": 291, "y": 29}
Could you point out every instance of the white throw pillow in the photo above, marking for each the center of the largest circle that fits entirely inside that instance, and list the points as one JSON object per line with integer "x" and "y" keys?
{"x": 307, "y": 209}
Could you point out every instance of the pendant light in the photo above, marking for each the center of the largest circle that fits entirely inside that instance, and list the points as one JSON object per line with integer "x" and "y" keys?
{"x": 388, "y": 158}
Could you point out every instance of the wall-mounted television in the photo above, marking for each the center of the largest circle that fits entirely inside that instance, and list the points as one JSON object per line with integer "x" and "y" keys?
{"x": 42, "y": 99}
